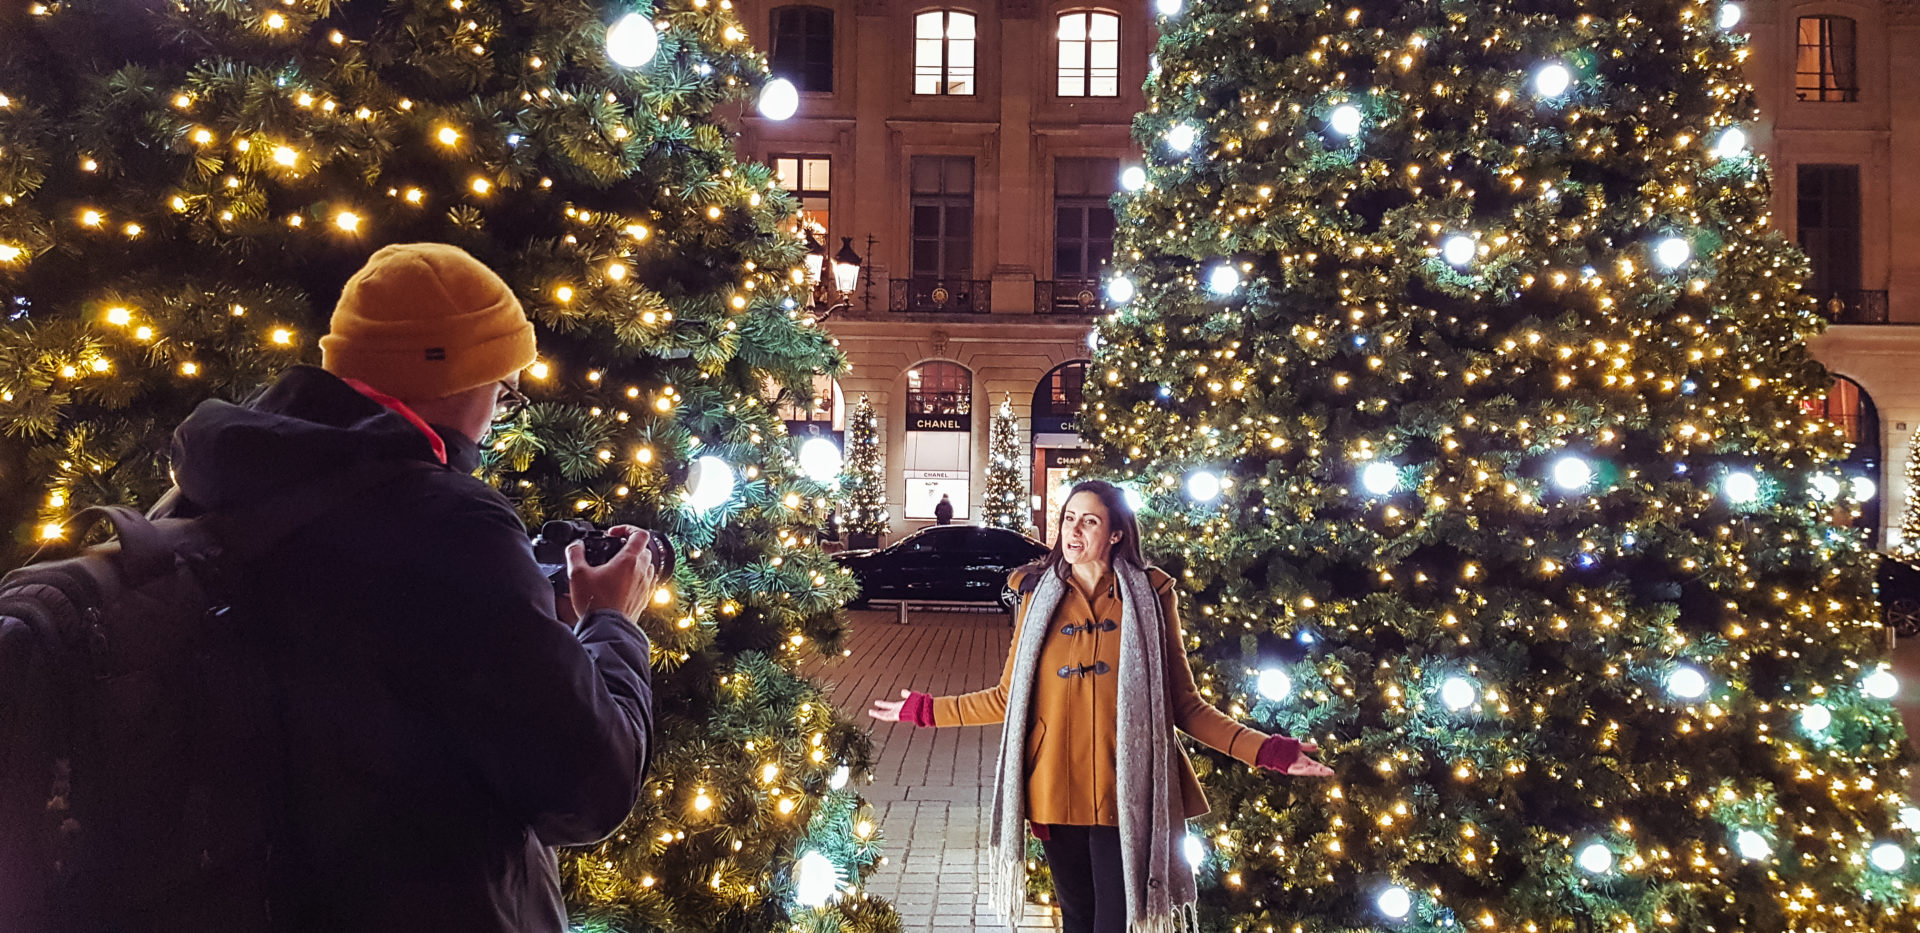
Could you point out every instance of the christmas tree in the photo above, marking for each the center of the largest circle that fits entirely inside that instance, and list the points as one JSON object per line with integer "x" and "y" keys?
{"x": 1005, "y": 494}
{"x": 184, "y": 188}
{"x": 1463, "y": 381}
{"x": 1909, "y": 546}
{"x": 863, "y": 488}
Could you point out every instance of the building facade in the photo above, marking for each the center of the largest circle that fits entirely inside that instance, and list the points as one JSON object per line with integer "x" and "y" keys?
{"x": 965, "y": 151}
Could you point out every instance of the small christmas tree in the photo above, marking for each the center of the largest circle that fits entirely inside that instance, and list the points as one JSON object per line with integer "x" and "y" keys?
{"x": 863, "y": 490}
{"x": 1004, "y": 489}
{"x": 1909, "y": 546}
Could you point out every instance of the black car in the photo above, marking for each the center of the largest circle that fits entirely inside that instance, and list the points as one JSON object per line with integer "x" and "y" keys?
{"x": 1899, "y": 595}
{"x": 947, "y": 563}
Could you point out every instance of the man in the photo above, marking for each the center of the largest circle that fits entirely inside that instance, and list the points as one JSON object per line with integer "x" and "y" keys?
{"x": 443, "y": 729}
{"x": 943, "y": 513}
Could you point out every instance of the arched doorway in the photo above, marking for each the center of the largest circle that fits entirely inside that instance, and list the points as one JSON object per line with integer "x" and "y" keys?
{"x": 1847, "y": 405}
{"x": 1057, "y": 451}
{"x": 938, "y": 457}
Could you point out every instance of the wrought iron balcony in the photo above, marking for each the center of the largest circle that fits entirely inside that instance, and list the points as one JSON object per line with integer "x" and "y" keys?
{"x": 1069, "y": 296}
{"x": 937, "y": 295}
{"x": 1855, "y": 307}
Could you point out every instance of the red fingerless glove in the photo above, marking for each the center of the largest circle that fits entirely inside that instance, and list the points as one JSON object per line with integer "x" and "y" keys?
{"x": 1278, "y": 753}
{"x": 918, "y": 709}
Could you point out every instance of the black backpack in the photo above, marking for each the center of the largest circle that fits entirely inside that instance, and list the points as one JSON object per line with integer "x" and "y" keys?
{"x": 140, "y": 767}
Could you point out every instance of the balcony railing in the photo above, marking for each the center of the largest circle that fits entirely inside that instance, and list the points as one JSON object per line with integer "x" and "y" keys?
{"x": 951, "y": 296}
{"x": 1855, "y": 307}
{"x": 1069, "y": 296}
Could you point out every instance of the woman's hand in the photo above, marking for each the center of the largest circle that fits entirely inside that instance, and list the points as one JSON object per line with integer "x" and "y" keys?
{"x": 1307, "y": 767}
{"x": 888, "y": 710}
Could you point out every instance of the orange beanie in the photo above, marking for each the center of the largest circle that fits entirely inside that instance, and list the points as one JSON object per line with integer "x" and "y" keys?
{"x": 426, "y": 320}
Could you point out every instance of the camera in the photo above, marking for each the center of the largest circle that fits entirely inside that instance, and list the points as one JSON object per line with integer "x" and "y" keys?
{"x": 550, "y": 549}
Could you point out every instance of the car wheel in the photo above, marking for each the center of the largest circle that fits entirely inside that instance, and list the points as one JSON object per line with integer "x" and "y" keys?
{"x": 1009, "y": 600}
{"x": 1902, "y": 614}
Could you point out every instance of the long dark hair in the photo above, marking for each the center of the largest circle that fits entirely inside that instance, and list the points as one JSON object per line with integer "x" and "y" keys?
{"x": 1119, "y": 518}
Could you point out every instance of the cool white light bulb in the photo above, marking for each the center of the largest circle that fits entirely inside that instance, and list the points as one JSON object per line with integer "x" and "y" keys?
{"x": 1910, "y": 818}
{"x": 1274, "y": 684}
{"x": 820, "y": 460}
{"x": 1167, "y": 7}
{"x": 1345, "y": 120}
{"x": 1458, "y": 250}
{"x": 1824, "y": 488}
{"x": 1379, "y": 478}
{"x": 632, "y": 41}
{"x": 1194, "y": 850}
{"x": 814, "y": 880}
{"x": 1203, "y": 486}
{"x": 1134, "y": 178}
{"x": 1120, "y": 290}
{"x": 1816, "y": 718}
{"x": 1572, "y": 473}
{"x": 1223, "y": 279}
{"x": 1181, "y": 137}
{"x": 1687, "y": 683}
{"x": 1881, "y": 685}
{"x": 1458, "y": 693}
{"x": 709, "y": 483}
{"x": 1731, "y": 143}
{"x": 1672, "y": 253}
{"x": 1135, "y": 501}
{"x": 1553, "y": 80}
{"x": 1889, "y": 857}
{"x": 1753, "y": 846}
{"x": 840, "y": 776}
{"x": 1395, "y": 902}
{"x": 1861, "y": 488}
{"x": 1730, "y": 14}
{"x": 779, "y": 99}
{"x": 1740, "y": 488}
{"x": 1597, "y": 858}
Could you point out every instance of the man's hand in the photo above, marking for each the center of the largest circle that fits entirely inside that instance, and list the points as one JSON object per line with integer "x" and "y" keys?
{"x": 623, "y": 584}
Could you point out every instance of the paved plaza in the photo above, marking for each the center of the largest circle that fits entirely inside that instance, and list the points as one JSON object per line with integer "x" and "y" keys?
{"x": 928, "y": 785}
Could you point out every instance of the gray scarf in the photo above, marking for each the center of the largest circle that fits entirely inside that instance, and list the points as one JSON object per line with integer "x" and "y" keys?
{"x": 1160, "y": 887}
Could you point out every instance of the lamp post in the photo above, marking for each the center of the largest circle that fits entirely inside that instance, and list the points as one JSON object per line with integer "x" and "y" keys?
{"x": 816, "y": 260}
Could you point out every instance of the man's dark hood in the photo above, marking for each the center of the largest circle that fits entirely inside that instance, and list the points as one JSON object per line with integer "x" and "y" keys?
{"x": 307, "y": 425}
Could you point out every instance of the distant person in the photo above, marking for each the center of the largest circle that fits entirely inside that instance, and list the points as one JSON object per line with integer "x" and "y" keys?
{"x": 446, "y": 724}
{"x": 1093, "y": 689}
{"x": 943, "y": 513}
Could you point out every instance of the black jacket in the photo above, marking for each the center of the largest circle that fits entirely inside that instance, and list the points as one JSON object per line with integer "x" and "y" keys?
{"x": 444, "y": 730}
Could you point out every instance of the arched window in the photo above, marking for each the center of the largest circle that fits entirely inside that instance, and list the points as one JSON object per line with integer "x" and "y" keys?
{"x": 825, "y": 410}
{"x": 1060, "y": 395}
{"x": 943, "y": 46}
{"x": 1847, "y": 404}
{"x": 1825, "y": 68}
{"x": 1089, "y": 54}
{"x": 803, "y": 46}
{"x": 939, "y": 388}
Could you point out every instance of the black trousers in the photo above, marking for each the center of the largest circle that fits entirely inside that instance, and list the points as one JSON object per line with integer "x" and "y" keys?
{"x": 1088, "y": 881}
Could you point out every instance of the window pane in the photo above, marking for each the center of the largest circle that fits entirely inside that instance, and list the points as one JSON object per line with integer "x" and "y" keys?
{"x": 1106, "y": 55}
{"x": 1067, "y": 222}
{"x": 958, "y": 256}
{"x": 1066, "y": 261}
{"x": 959, "y": 175}
{"x": 960, "y": 56}
{"x": 784, "y": 171}
{"x": 1100, "y": 222}
{"x": 928, "y": 25}
{"x": 926, "y": 55}
{"x": 1104, "y": 87}
{"x": 959, "y": 221}
{"x": 926, "y": 257}
{"x": 1071, "y": 83}
{"x": 960, "y": 26}
{"x": 1073, "y": 26}
{"x": 926, "y": 221}
{"x": 1104, "y": 26}
{"x": 814, "y": 174}
{"x": 960, "y": 83}
{"x": 926, "y": 174}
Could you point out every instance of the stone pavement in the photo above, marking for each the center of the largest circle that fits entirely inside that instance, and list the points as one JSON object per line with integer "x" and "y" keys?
{"x": 928, "y": 788}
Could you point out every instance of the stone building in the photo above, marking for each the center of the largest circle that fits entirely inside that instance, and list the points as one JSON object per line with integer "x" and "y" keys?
{"x": 964, "y": 152}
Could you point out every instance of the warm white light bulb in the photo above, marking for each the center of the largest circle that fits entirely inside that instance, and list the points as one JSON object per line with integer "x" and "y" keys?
{"x": 1274, "y": 684}
{"x": 1380, "y": 478}
{"x": 1134, "y": 178}
{"x": 1687, "y": 683}
{"x": 779, "y": 99}
{"x": 1345, "y": 120}
{"x": 1458, "y": 693}
{"x": 1181, "y": 137}
{"x": 632, "y": 41}
{"x": 1740, "y": 488}
{"x": 1553, "y": 80}
{"x": 1203, "y": 486}
{"x": 1672, "y": 253}
{"x": 1458, "y": 250}
{"x": 1120, "y": 290}
{"x": 1731, "y": 143}
{"x": 1816, "y": 718}
{"x": 820, "y": 459}
{"x": 1572, "y": 473}
{"x": 1223, "y": 279}
{"x": 1596, "y": 858}
{"x": 1395, "y": 902}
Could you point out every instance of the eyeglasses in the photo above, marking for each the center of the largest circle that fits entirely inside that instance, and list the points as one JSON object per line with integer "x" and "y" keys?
{"x": 509, "y": 405}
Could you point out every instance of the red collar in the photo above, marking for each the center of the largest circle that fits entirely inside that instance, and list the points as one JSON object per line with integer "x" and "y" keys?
{"x": 400, "y": 408}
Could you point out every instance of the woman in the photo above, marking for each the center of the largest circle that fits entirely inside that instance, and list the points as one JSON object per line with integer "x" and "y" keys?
{"x": 1098, "y": 677}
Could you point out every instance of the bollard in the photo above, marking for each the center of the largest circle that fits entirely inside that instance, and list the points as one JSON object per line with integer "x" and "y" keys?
{"x": 903, "y": 612}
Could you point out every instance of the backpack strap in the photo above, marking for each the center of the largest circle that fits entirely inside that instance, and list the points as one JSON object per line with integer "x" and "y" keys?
{"x": 143, "y": 549}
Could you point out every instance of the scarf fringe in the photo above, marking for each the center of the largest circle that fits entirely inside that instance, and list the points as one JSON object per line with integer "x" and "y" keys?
{"x": 1185, "y": 918}
{"x": 1007, "y": 887}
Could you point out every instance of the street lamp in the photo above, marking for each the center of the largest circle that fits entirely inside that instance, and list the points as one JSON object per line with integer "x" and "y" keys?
{"x": 846, "y": 272}
{"x": 816, "y": 259}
